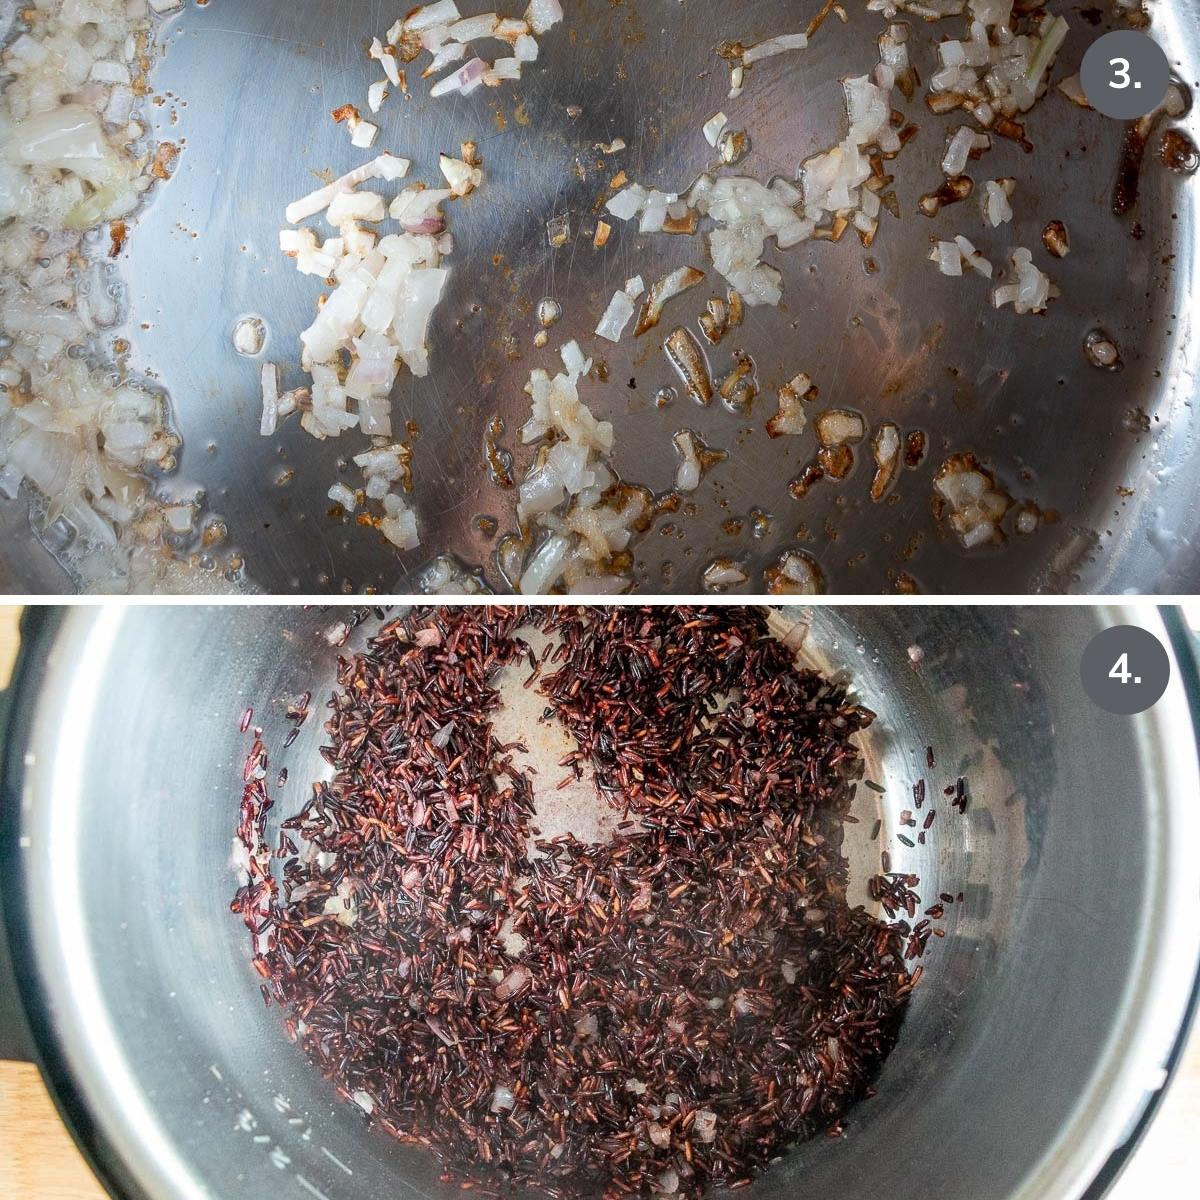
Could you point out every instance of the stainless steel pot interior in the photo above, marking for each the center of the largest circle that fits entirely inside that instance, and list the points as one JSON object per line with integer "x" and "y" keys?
{"x": 248, "y": 89}
{"x": 1033, "y": 1044}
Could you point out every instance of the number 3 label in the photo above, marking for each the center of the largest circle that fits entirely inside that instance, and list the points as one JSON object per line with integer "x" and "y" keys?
{"x": 1125, "y": 75}
{"x": 1121, "y": 80}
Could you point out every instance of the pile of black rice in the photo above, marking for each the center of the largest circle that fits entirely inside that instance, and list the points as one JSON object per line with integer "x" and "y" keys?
{"x": 654, "y": 1015}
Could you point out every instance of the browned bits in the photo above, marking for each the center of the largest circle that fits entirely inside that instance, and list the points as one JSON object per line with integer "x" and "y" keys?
{"x": 663, "y": 1012}
{"x": 1056, "y": 239}
{"x": 1178, "y": 152}
{"x": 914, "y": 449}
{"x": 950, "y": 192}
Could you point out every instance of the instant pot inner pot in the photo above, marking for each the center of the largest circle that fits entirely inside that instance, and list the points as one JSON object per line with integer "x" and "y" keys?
{"x": 1015, "y": 1024}
{"x": 247, "y": 92}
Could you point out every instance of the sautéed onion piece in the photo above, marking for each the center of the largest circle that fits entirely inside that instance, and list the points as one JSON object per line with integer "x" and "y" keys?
{"x": 85, "y": 438}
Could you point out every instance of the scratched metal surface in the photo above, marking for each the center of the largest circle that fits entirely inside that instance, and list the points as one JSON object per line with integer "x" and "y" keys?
{"x": 1042, "y": 1019}
{"x": 248, "y": 92}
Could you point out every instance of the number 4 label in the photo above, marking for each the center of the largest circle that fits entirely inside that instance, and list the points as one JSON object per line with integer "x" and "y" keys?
{"x": 1120, "y": 671}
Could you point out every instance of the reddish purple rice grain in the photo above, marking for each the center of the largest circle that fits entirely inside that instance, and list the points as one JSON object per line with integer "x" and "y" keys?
{"x": 960, "y": 794}
{"x": 703, "y": 972}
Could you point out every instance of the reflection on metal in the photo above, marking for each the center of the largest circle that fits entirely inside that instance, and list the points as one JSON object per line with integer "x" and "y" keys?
{"x": 901, "y": 344}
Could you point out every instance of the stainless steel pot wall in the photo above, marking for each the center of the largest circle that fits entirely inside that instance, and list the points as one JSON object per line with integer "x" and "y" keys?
{"x": 250, "y": 87}
{"x": 1034, "y": 1043}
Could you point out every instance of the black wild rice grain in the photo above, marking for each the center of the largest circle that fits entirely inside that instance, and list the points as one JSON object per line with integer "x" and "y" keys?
{"x": 657, "y": 1014}
{"x": 960, "y": 794}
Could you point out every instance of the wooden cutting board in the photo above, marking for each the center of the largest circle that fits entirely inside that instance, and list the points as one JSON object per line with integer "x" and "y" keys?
{"x": 38, "y": 1159}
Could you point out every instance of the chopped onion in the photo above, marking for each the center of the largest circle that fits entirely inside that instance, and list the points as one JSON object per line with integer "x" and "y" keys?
{"x": 885, "y": 446}
{"x": 1028, "y": 290}
{"x": 355, "y": 206}
{"x": 995, "y": 201}
{"x": 704, "y": 1125}
{"x": 346, "y": 497}
{"x": 948, "y": 258}
{"x": 958, "y": 152}
{"x": 571, "y": 492}
{"x": 452, "y": 52}
{"x": 75, "y": 432}
{"x": 419, "y": 209}
{"x": 386, "y": 166}
{"x": 976, "y": 503}
{"x": 722, "y": 574}
{"x": 270, "y": 399}
{"x": 628, "y": 202}
{"x": 667, "y": 1182}
{"x": 695, "y": 459}
{"x": 795, "y": 574}
{"x": 773, "y": 46}
{"x": 399, "y": 523}
{"x": 665, "y": 289}
{"x": 469, "y": 29}
{"x": 790, "y": 419}
{"x": 464, "y": 81}
{"x": 377, "y": 93}
{"x": 248, "y": 336}
{"x": 428, "y": 16}
{"x": 378, "y": 314}
{"x": 839, "y": 426}
{"x": 462, "y": 177}
{"x": 659, "y": 1135}
{"x": 543, "y": 15}
{"x": 713, "y": 127}
{"x": 546, "y": 566}
{"x": 972, "y": 257}
{"x": 688, "y": 359}
{"x": 1053, "y": 34}
{"x": 1072, "y": 88}
{"x": 616, "y": 317}
{"x": 363, "y": 134}
{"x": 386, "y": 57}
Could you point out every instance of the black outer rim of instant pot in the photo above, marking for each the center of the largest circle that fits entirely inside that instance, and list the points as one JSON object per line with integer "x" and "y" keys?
{"x": 39, "y": 627}
{"x": 1184, "y": 645}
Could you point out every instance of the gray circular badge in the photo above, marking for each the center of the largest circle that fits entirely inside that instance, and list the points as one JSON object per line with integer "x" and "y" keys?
{"x": 1125, "y": 74}
{"x": 1125, "y": 670}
